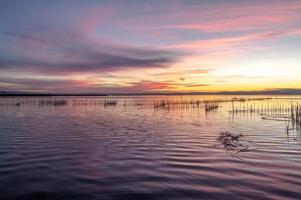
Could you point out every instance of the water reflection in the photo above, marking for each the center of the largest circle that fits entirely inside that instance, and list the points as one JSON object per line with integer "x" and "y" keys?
{"x": 132, "y": 150}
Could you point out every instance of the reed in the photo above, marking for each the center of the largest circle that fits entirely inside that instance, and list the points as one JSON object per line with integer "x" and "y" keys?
{"x": 290, "y": 113}
{"x": 177, "y": 102}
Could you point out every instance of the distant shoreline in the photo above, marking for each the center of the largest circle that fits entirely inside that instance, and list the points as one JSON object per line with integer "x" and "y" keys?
{"x": 272, "y": 92}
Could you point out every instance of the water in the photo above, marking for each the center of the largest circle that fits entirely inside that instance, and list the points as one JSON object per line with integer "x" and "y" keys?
{"x": 136, "y": 151}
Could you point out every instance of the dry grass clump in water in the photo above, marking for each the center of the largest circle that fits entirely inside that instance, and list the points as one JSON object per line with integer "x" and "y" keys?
{"x": 233, "y": 143}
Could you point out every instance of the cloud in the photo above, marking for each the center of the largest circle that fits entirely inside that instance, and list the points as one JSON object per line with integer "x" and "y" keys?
{"x": 162, "y": 86}
{"x": 34, "y": 84}
{"x": 56, "y": 46}
{"x": 225, "y": 43}
{"x": 183, "y": 72}
{"x": 196, "y": 85}
{"x": 70, "y": 42}
{"x": 239, "y": 17}
{"x": 73, "y": 86}
{"x": 24, "y": 37}
{"x": 82, "y": 56}
{"x": 150, "y": 86}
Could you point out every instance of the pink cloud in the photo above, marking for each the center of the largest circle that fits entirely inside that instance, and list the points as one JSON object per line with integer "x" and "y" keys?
{"x": 172, "y": 23}
{"x": 228, "y": 42}
{"x": 95, "y": 18}
{"x": 150, "y": 86}
{"x": 239, "y": 17}
{"x": 245, "y": 23}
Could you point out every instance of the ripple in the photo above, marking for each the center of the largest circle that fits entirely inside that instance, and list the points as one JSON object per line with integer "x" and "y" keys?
{"x": 118, "y": 153}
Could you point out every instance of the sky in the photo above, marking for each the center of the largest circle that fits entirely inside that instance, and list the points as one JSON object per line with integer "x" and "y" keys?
{"x": 133, "y": 46}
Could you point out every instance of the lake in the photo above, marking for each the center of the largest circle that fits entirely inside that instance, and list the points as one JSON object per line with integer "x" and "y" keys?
{"x": 150, "y": 147}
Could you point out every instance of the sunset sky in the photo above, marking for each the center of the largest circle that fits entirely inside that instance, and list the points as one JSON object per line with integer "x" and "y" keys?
{"x": 149, "y": 46}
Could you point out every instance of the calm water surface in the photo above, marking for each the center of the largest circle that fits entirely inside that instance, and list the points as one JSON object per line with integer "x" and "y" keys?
{"x": 138, "y": 152}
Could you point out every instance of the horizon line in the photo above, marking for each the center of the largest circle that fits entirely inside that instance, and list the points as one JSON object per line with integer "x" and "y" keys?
{"x": 257, "y": 92}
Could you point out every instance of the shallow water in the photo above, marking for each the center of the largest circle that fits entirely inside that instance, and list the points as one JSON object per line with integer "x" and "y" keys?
{"x": 138, "y": 152}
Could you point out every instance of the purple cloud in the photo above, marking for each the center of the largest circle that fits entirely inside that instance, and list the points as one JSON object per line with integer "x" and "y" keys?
{"x": 81, "y": 56}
